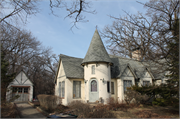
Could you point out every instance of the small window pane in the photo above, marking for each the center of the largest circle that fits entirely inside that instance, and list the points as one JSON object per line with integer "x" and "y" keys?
{"x": 112, "y": 87}
{"x": 127, "y": 83}
{"x": 93, "y": 86}
{"x": 146, "y": 83}
{"x": 19, "y": 90}
{"x": 108, "y": 87}
{"x": 93, "y": 69}
{"x": 15, "y": 90}
{"x": 25, "y": 90}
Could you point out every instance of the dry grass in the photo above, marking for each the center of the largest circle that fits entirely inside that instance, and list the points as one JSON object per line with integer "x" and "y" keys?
{"x": 8, "y": 110}
{"x": 148, "y": 112}
{"x": 116, "y": 109}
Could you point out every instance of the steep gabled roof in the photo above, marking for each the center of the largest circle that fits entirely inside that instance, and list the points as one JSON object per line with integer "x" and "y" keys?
{"x": 120, "y": 64}
{"x": 72, "y": 67}
{"x": 96, "y": 51}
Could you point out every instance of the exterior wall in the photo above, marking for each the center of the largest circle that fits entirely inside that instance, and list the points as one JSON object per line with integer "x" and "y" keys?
{"x": 127, "y": 75}
{"x": 158, "y": 82}
{"x": 102, "y": 71}
{"x": 61, "y": 77}
{"x": 115, "y": 89}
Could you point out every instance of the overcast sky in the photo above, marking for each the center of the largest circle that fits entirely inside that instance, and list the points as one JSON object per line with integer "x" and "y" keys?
{"x": 55, "y": 31}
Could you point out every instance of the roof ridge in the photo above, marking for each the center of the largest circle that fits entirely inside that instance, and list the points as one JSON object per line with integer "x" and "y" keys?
{"x": 61, "y": 55}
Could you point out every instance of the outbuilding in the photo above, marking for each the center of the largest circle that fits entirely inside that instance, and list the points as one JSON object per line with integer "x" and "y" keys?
{"x": 21, "y": 86}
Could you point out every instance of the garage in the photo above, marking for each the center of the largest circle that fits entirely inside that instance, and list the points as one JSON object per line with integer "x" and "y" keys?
{"x": 22, "y": 87}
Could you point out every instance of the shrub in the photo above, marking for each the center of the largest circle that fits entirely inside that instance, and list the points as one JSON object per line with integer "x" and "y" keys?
{"x": 83, "y": 110}
{"x": 101, "y": 111}
{"x": 132, "y": 96}
{"x": 61, "y": 109}
{"x": 116, "y": 105}
{"x": 49, "y": 102}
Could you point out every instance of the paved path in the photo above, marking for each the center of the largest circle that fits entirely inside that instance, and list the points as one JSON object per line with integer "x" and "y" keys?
{"x": 27, "y": 111}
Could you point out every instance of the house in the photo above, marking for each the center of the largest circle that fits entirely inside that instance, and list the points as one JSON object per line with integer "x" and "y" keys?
{"x": 99, "y": 75}
{"x": 21, "y": 86}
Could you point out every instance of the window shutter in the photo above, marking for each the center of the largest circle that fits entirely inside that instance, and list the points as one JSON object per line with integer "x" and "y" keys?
{"x": 108, "y": 87}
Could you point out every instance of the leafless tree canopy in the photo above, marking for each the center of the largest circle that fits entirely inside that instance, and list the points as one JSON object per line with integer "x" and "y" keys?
{"x": 151, "y": 33}
{"x": 17, "y": 11}
{"x": 25, "y": 52}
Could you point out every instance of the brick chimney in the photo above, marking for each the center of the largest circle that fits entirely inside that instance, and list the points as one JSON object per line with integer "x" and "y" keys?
{"x": 136, "y": 54}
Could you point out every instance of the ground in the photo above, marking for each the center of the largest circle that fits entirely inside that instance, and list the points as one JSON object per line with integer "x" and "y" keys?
{"x": 149, "y": 112}
{"x": 8, "y": 110}
{"x": 141, "y": 111}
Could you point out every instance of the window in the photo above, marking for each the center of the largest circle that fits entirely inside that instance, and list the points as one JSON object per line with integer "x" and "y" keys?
{"x": 25, "y": 90}
{"x": 14, "y": 90}
{"x": 19, "y": 90}
{"x": 108, "y": 87}
{"x": 76, "y": 89}
{"x": 63, "y": 89}
{"x": 112, "y": 87}
{"x": 127, "y": 83}
{"x": 93, "y": 86}
{"x": 93, "y": 69}
{"x": 59, "y": 89}
{"x": 146, "y": 83}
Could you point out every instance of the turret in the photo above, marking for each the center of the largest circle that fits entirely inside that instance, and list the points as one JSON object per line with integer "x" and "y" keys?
{"x": 97, "y": 74}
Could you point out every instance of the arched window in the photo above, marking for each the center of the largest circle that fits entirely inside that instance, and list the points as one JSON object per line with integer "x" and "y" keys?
{"x": 93, "y": 86}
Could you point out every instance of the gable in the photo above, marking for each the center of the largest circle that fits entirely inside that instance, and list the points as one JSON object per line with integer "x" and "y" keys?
{"x": 61, "y": 72}
{"x": 146, "y": 74}
{"x": 21, "y": 79}
{"x": 127, "y": 73}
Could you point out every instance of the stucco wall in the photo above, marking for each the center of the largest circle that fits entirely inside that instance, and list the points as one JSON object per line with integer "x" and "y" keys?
{"x": 60, "y": 77}
{"x": 127, "y": 75}
{"x": 102, "y": 71}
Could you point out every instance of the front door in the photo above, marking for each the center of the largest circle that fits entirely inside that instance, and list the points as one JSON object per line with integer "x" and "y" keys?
{"x": 93, "y": 92}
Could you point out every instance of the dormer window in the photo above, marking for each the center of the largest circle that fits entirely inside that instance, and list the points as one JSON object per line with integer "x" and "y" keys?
{"x": 93, "y": 69}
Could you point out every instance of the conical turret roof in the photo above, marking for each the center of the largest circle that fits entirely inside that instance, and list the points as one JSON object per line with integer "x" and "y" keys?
{"x": 96, "y": 51}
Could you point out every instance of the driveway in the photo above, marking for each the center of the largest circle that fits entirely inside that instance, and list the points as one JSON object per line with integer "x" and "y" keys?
{"x": 27, "y": 111}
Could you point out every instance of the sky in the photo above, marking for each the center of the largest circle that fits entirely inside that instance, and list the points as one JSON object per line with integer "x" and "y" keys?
{"x": 55, "y": 32}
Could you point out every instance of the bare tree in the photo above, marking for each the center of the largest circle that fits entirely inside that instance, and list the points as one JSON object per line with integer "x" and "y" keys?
{"x": 151, "y": 33}
{"x": 13, "y": 11}
{"x": 25, "y": 52}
